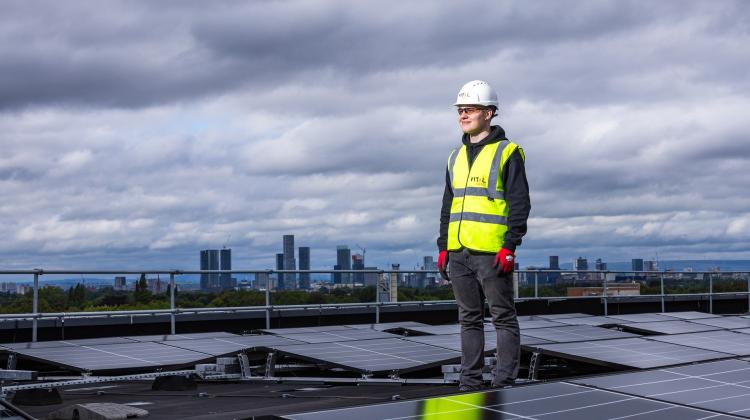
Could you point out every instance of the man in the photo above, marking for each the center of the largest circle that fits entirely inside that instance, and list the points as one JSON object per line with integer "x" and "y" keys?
{"x": 485, "y": 208}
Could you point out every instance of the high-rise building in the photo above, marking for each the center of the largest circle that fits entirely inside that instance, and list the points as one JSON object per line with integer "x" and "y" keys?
{"x": 344, "y": 261}
{"x": 290, "y": 263}
{"x": 280, "y": 276}
{"x": 120, "y": 283}
{"x": 214, "y": 259}
{"x": 554, "y": 262}
{"x": 371, "y": 279}
{"x": 262, "y": 281}
{"x": 428, "y": 263}
{"x": 336, "y": 277}
{"x": 210, "y": 261}
{"x": 637, "y": 264}
{"x": 358, "y": 263}
{"x": 600, "y": 266}
{"x": 651, "y": 266}
{"x": 304, "y": 264}
{"x": 582, "y": 264}
{"x": 397, "y": 277}
{"x": 225, "y": 263}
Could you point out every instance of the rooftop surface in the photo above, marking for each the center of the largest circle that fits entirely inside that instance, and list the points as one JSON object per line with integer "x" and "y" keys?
{"x": 400, "y": 370}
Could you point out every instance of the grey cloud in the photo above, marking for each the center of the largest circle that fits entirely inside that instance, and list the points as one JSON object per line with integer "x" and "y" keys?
{"x": 78, "y": 54}
{"x": 138, "y": 133}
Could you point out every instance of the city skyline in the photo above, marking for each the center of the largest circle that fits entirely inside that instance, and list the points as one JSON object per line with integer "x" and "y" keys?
{"x": 137, "y": 133}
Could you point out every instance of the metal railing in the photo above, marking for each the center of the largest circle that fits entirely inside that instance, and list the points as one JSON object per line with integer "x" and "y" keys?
{"x": 610, "y": 282}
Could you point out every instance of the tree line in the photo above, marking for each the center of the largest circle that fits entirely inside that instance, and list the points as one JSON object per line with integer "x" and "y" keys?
{"x": 79, "y": 299}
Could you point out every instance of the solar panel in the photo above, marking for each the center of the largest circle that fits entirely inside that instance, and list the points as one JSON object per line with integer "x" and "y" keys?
{"x": 667, "y": 327}
{"x": 642, "y": 317}
{"x": 720, "y": 386}
{"x": 305, "y": 329}
{"x": 553, "y": 317}
{"x": 441, "y": 329}
{"x": 386, "y": 326}
{"x": 726, "y": 322}
{"x": 230, "y": 345}
{"x": 176, "y": 337}
{"x": 536, "y": 323}
{"x": 723, "y": 341}
{"x": 629, "y": 352}
{"x": 114, "y": 356}
{"x": 373, "y": 356}
{"x": 572, "y": 333}
{"x": 453, "y": 341}
{"x": 67, "y": 343}
{"x": 689, "y": 315}
{"x": 350, "y": 334}
{"x": 554, "y": 401}
{"x": 594, "y": 321}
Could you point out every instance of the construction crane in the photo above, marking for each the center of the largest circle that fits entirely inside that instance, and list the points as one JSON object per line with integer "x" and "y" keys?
{"x": 226, "y": 241}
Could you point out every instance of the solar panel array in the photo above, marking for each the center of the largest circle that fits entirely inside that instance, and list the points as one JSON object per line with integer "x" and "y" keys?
{"x": 724, "y": 341}
{"x": 722, "y": 386}
{"x": 553, "y": 317}
{"x": 690, "y": 315}
{"x": 643, "y": 317}
{"x": 686, "y": 337}
{"x": 726, "y": 322}
{"x": 181, "y": 337}
{"x": 387, "y": 326}
{"x": 115, "y": 353}
{"x": 554, "y": 401}
{"x": 572, "y": 333}
{"x": 106, "y": 357}
{"x": 629, "y": 352}
{"x": 301, "y": 330}
{"x": 667, "y": 327}
{"x": 594, "y": 321}
{"x": 67, "y": 343}
{"x": 349, "y": 334}
{"x": 453, "y": 341}
{"x": 232, "y": 345}
{"x": 373, "y": 356}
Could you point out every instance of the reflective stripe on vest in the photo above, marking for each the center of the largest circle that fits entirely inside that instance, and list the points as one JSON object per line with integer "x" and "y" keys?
{"x": 479, "y": 212}
{"x": 465, "y": 407}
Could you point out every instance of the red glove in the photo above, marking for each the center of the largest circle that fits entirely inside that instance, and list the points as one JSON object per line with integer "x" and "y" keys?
{"x": 505, "y": 261}
{"x": 442, "y": 264}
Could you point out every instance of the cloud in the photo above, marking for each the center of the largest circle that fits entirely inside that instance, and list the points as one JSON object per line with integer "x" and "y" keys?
{"x": 140, "y": 132}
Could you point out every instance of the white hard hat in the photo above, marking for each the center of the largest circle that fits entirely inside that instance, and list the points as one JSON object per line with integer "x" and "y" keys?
{"x": 477, "y": 92}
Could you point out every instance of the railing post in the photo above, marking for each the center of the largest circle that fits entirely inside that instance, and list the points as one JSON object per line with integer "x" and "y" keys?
{"x": 710, "y": 293}
{"x": 748, "y": 291}
{"x": 35, "y": 307}
{"x": 605, "y": 294}
{"x": 536, "y": 285}
{"x": 662, "y": 292}
{"x": 377, "y": 297}
{"x": 171, "y": 302}
{"x": 268, "y": 300}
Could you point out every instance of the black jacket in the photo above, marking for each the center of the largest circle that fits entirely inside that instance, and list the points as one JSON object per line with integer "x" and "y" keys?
{"x": 516, "y": 192}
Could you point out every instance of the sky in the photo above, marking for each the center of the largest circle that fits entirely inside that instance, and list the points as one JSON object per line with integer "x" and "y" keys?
{"x": 135, "y": 133}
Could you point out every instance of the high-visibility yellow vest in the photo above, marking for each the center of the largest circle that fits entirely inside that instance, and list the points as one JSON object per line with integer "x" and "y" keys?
{"x": 464, "y": 407}
{"x": 479, "y": 212}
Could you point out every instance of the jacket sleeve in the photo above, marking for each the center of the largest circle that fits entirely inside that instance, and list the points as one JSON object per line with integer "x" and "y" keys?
{"x": 517, "y": 197}
{"x": 445, "y": 213}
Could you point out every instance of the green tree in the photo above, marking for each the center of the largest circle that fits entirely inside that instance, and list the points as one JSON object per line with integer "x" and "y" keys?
{"x": 141, "y": 295}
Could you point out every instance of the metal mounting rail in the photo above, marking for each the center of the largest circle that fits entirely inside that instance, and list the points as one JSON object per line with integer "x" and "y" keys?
{"x": 93, "y": 380}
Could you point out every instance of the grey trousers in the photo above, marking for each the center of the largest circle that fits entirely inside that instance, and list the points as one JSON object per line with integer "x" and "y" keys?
{"x": 473, "y": 278}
